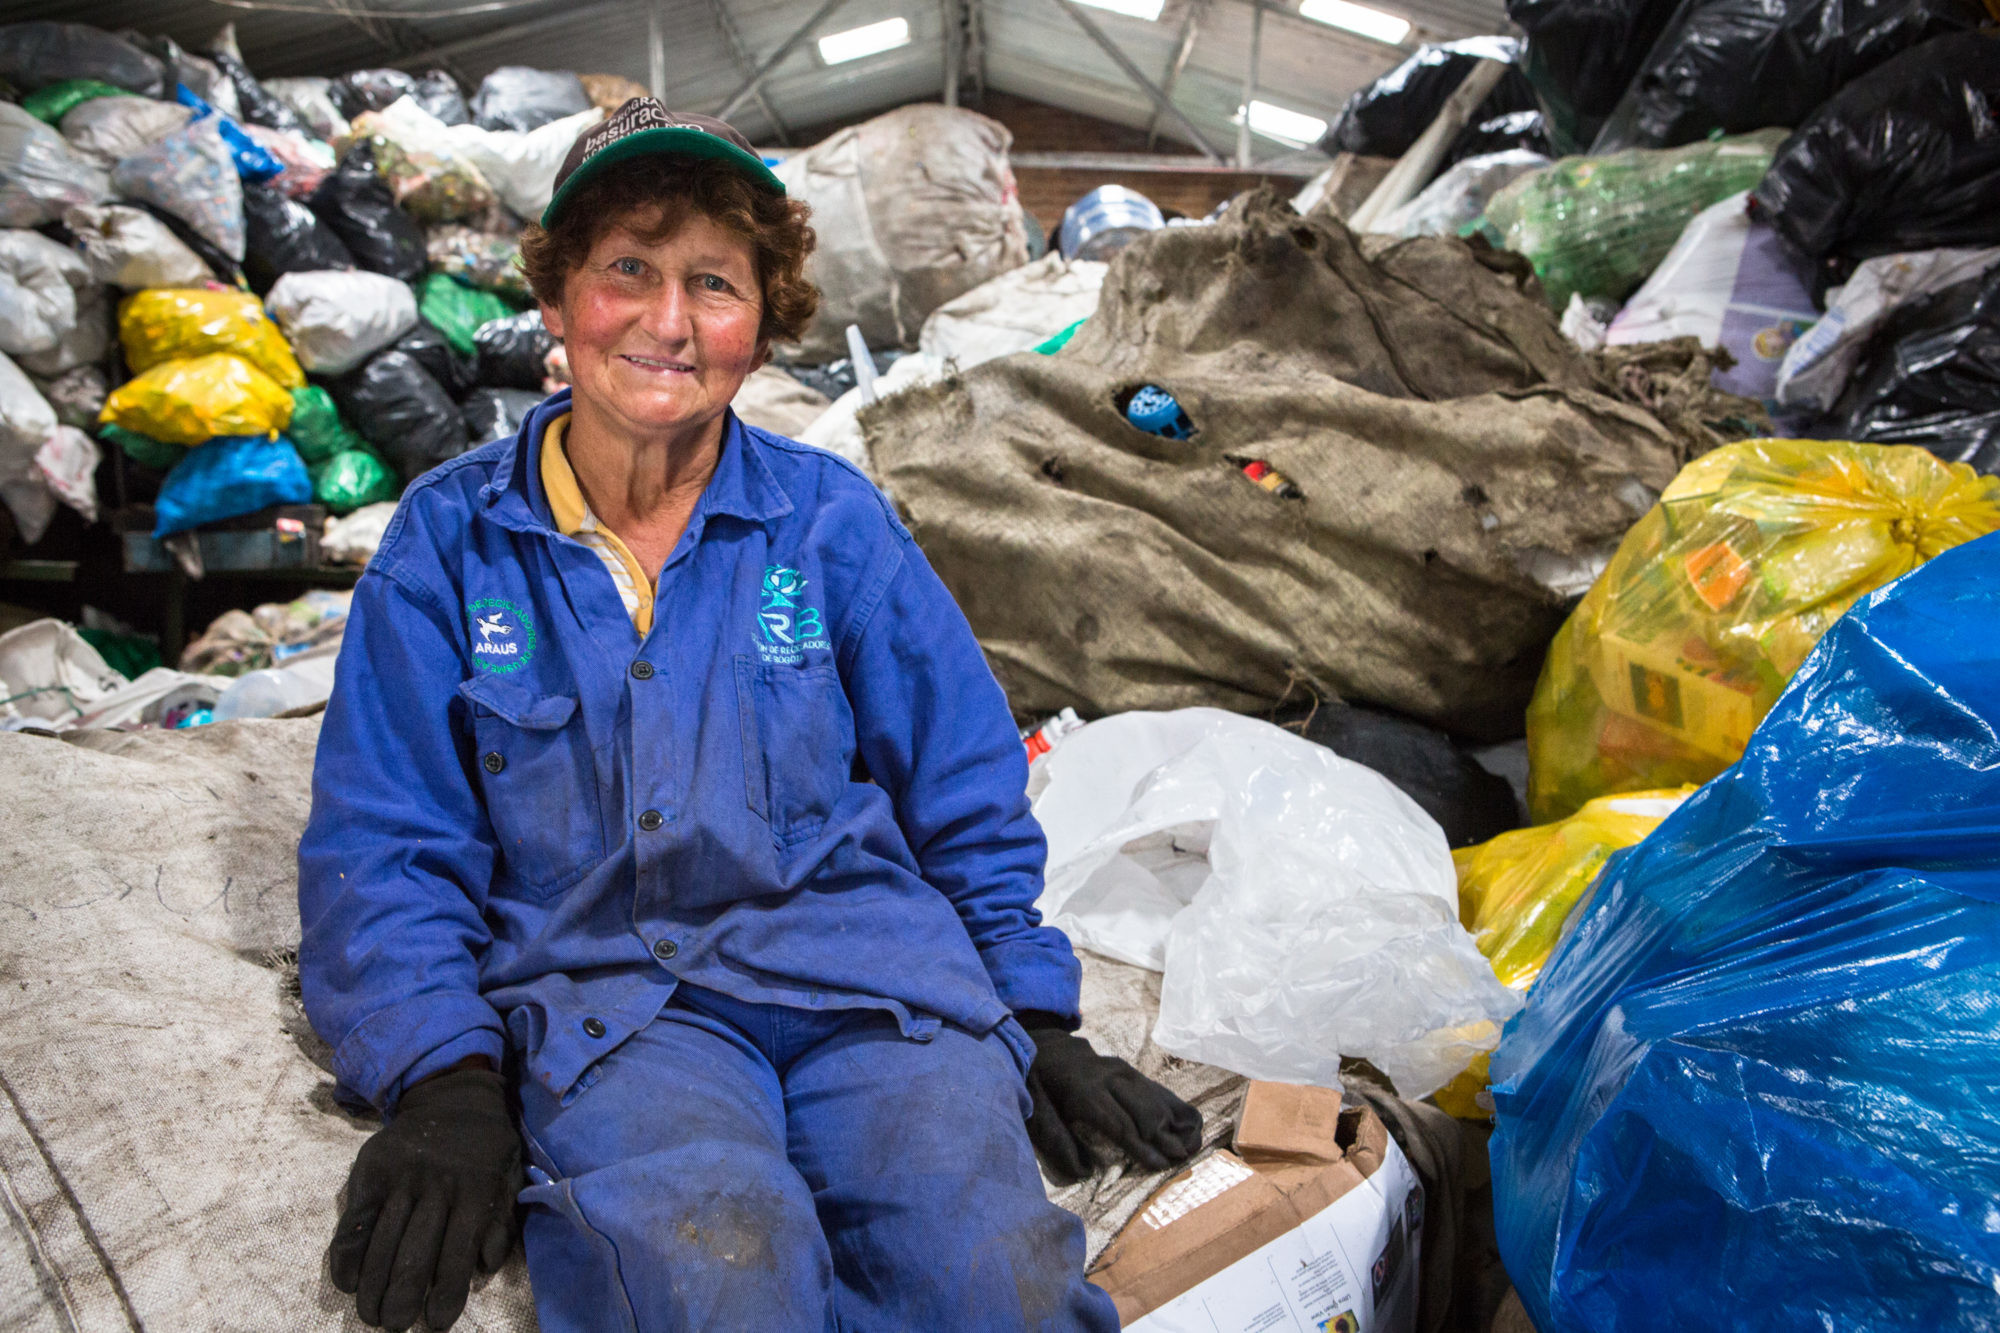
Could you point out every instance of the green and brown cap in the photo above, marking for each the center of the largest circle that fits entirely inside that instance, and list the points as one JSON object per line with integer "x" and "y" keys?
{"x": 642, "y": 128}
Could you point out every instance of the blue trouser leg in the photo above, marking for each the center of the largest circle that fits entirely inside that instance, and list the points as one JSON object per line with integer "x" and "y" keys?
{"x": 891, "y": 1181}
{"x": 672, "y": 1206}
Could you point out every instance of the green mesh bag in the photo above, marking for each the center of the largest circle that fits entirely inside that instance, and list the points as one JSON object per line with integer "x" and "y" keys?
{"x": 142, "y": 449}
{"x": 353, "y": 478}
{"x": 457, "y": 310}
{"x": 52, "y": 103}
{"x": 317, "y": 431}
{"x": 1598, "y": 226}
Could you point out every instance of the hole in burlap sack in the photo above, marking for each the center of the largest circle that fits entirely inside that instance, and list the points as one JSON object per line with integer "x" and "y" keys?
{"x": 1430, "y": 556}
{"x": 1052, "y": 468}
{"x": 1307, "y": 238}
{"x": 1267, "y": 478}
{"x": 1155, "y": 411}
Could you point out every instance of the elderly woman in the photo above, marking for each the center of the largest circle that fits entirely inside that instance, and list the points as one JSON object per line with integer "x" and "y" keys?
{"x": 668, "y": 822}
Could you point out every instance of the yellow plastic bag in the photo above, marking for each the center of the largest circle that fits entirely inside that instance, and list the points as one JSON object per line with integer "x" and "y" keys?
{"x": 175, "y": 323}
{"x": 1716, "y": 596}
{"x": 1516, "y": 891}
{"x": 189, "y": 402}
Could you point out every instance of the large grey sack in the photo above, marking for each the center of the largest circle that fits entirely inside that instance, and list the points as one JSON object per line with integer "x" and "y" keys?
{"x": 1456, "y": 462}
{"x": 169, "y": 1147}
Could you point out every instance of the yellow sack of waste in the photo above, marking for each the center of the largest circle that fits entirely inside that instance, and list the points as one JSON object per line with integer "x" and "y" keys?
{"x": 1716, "y": 596}
{"x": 175, "y": 323}
{"x": 188, "y": 402}
{"x": 1516, "y": 891}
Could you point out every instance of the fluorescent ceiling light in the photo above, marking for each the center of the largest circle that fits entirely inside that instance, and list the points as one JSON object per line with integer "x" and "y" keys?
{"x": 1383, "y": 27}
{"x": 1148, "y": 10}
{"x": 871, "y": 40}
{"x": 1283, "y": 124}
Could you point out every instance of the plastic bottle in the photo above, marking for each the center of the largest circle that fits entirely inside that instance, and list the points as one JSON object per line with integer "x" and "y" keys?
{"x": 1157, "y": 412}
{"x": 1043, "y": 738}
{"x": 273, "y": 690}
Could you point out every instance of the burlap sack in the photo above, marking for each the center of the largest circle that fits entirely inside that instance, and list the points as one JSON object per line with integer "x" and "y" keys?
{"x": 1458, "y": 464}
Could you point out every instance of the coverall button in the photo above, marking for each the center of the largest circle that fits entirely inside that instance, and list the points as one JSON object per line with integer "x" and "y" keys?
{"x": 494, "y": 761}
{"x": 651, "y": 820}
{"x": 593, "y": 1027}
{"x": 642, "y": 670}
{"x": 665, "y": 949}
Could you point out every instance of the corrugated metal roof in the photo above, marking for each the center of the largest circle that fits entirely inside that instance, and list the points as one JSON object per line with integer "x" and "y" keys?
{"x": 1033, "y": 49}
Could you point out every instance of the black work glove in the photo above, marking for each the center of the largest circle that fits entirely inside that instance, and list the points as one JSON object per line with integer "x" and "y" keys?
{"x": 430, "y": 1195}
{"x": 1074, "y": 1087}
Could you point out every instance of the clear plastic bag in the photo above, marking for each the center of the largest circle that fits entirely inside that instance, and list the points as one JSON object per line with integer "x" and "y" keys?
{"x": 337, "y": 320}
{"x": 1715, "y": 597}
{"x": 1458, "y": 197}
{"x": 85, "y": 343}
{"x": 521, "y": 98}
{"x": 192, "y": 175}
{"x": 171, "y": 325}
{"x": 311, "y": 99}
{"x": 1754, "y": 1086}
{"x": 38, "y": 291}
{"x": 431, "y": 182}
{"x": 487, "y": 260}
{"x": 107, "y": 130}
{"x": 130, "y": 248}
{"x": 40, "y": 174}
{"x": 1301, "y": 907}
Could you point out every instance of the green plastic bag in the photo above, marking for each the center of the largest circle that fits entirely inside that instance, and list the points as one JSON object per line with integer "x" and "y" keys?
{"x": 457, "y": 310}
{"x": 52, "y": 103}
{"x": 317, "y": 431}
{"x": 1598, "y": 226}
{"x": 353, "y": 478}
{"x": 142, "y": 449}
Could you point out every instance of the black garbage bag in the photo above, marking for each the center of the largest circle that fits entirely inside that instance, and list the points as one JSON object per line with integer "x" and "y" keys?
{"x": 1906, "y": 157}
{"x": 516, "y": 97}
{"x": 369, "y": 90}
{"x": 510, "y": 351}
{"x": 282, "y": 235}
{"x": 1387, "y": 116}
{"x": 492, "y": 414}
{"x": 1931, "y": 376}
{"x": 1469, "y": 803}
{"x": 356, "y": 202}
{"x": 403, "y": 411}
{"x": 34, "y": 55}
{"x": 1501, "y": 134}
{"x": 1581, "y": 56}
{"x": 200, "y": 74}
{"x": 438, "y": 93}
{"x": 258, "y": 107}
{"x": 429, "y": 348}
{"x": 1743, "y": 65}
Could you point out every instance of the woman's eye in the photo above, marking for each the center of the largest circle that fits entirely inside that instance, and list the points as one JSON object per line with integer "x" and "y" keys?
{"x": 711, "y": 282}
{"x": 630, "y": 268}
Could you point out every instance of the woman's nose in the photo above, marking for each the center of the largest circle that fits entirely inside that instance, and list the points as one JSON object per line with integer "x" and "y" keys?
{"x": 667, "y": 316}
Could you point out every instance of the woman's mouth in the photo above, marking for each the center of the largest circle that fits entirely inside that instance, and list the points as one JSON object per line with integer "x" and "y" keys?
{"x": 658, "y": 365}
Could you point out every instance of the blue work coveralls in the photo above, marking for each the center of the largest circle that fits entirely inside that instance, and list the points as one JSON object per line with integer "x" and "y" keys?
{"x": 747, "y": 903}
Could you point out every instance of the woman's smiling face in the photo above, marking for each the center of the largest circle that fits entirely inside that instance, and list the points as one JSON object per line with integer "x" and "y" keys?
{"x": 661, "y": 334}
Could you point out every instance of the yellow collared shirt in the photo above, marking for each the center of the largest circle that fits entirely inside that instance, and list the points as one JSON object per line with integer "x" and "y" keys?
{"x": 574, "y": 519}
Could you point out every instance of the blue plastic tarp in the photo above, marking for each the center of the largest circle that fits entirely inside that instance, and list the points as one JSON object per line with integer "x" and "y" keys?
{"x": 1758, "y": 1086}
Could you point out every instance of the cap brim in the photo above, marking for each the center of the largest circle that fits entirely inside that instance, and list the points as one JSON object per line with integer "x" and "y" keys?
{"x": 662, "y": 141}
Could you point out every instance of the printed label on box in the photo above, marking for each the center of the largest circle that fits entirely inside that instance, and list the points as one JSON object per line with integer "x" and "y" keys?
{"x": 1349, "y": 1268}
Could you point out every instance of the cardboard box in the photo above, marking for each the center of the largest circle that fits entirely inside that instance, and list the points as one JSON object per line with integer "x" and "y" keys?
{"x": 1313, "y": 1225}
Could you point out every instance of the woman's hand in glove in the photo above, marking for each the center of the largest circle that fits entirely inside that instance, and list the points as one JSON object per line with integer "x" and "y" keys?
{"x": 1074, "y": 1087}
{"x": 430, "y": 1195}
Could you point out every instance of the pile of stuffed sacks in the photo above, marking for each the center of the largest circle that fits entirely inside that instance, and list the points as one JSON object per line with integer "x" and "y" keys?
{"x": 312, "y": 281}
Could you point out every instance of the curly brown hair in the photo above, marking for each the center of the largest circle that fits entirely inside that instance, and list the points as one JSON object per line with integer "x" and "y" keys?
{"x": 671, "y": 188}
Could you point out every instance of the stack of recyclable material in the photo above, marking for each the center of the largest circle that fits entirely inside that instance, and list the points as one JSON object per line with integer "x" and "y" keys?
{"x": 1597, "y": 226}
{"x": 1389, "y": 115}
{"x": 1718, "y": 595}
{"x": 1233, "y": 562}
{"x": 912, "y": 209}
{"x": 1753, "y": 1083}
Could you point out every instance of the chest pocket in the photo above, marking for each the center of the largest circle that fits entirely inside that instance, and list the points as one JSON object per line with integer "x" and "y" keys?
{"x": 798, "y": 744}
{"x": 539, "y": 778}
